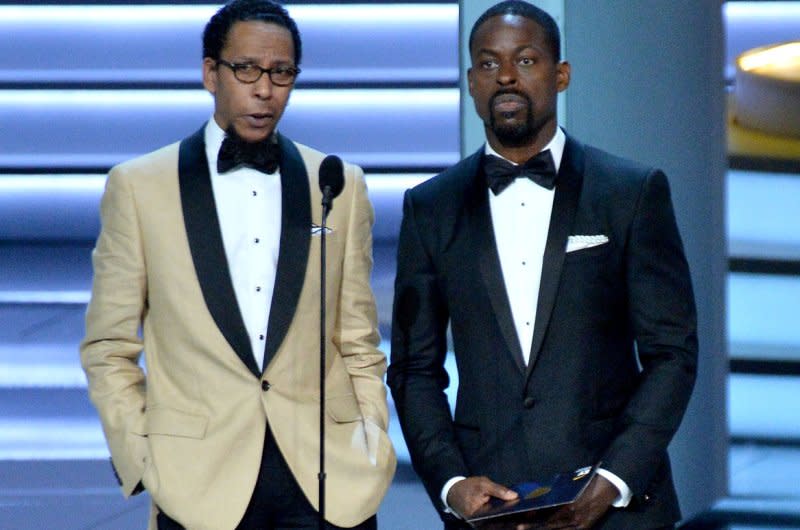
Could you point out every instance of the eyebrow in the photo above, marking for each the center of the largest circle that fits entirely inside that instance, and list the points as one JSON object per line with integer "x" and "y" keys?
{"x": 519, "y": 49}
{"x": 255, "y": 60}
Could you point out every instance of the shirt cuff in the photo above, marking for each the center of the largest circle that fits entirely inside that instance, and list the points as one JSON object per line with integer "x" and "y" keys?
{"x": 625, "y": 493}
{"x": 445, "y": 491}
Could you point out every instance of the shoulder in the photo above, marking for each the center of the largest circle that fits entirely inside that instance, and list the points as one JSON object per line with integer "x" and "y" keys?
{"x": 312, "y": 158}
{"x": 448, "y": 187}
{"x": 620, "y": 186}
{"x": 600, "y": 160}
{"x": 606, "y": 174}
{"x": 152, "y": 165}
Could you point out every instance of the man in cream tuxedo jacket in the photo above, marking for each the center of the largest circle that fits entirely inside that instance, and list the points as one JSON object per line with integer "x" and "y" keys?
{"x": 213, "y": 271}
{"x": 568, "y": 297}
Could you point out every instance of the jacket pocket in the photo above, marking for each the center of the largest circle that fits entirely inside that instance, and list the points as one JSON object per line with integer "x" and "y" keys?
{"x": 597, "y": 252}
{"x": 343, "y": 408}
{"x": 173, "y": 422}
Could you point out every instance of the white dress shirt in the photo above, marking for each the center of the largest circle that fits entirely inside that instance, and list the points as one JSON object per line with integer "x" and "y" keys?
{"x": 521, "y": 219}
{"x": 248, "y": 206}
{"x": 521, "y": 222}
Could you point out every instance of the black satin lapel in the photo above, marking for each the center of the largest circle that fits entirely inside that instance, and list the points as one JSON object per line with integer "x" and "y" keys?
{"x": 480, "y": 223}
{"x": 565, "y": 205}
{"x": 294, "y": 245}
{"x": 208, "y": 251}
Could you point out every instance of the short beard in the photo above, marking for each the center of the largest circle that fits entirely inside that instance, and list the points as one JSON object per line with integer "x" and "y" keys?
{"x": 516, "y": 135}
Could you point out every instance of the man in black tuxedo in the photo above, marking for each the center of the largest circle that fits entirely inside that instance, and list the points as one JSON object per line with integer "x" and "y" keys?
{"x": 568, "y": 297}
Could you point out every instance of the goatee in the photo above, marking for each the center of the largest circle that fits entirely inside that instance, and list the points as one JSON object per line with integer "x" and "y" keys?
{"x": 512, "y": 134}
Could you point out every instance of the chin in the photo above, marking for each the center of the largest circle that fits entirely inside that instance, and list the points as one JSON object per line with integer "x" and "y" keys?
{"x": 514, "y": 136}
{"x": 254, "y": 136}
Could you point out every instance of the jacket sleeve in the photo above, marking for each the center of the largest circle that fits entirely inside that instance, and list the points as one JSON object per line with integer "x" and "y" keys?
{"x": 112, "y": 346}
{"x": 662, "y": 313}
{"x": 417, "y": 376}
{"x": 357, "y": 333}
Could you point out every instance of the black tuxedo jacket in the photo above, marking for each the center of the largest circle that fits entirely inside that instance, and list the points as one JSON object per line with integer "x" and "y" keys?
{"x": 614, "y": 351}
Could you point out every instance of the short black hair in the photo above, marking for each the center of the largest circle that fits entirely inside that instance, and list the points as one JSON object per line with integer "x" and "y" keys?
{"x": 218, "y": 28}
{"x": 530, "y": 11}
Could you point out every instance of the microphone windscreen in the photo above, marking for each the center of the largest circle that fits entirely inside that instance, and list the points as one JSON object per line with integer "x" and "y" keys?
{"x": 331, "y": 175}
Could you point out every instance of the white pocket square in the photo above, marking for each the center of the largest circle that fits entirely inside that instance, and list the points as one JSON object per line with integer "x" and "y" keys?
{"x": 317, "y": 230}
{"x": 581, "y": 242}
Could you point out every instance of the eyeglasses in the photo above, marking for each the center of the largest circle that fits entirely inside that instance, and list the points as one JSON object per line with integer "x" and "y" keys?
{"x": 250, "y": 73}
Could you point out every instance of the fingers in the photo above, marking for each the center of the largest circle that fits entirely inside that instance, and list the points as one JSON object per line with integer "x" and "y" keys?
{"x": 587, "y": 509}
{"x": 469, "y": 495}
{"x": 563, "y": 518}
{"x": 497, "y": 490}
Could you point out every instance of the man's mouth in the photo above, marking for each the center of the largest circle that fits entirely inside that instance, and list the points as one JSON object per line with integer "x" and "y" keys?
{"x": 259, "y": 119}
{"x": 508, "y": 103}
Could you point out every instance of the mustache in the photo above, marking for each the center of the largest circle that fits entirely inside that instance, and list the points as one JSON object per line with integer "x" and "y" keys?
{"x": 507, "y": 92}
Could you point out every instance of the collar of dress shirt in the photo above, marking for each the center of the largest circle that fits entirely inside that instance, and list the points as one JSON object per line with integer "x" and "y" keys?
{"x": 556, "y": 146}
{"x": 213, "y": 136}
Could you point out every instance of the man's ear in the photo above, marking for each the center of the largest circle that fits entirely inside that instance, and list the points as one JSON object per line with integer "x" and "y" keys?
{"x": 210, "y": 73}
{"x": 563, "y": 73}
{"x": 469, "y": 80}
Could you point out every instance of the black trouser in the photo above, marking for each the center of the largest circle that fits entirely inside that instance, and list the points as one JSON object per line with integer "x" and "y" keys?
{"x": 277, "y": 502}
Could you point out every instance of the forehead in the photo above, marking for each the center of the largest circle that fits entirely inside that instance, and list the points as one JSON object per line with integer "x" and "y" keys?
{"x": 256, "y": 38}
{"x": 503, "y": 32}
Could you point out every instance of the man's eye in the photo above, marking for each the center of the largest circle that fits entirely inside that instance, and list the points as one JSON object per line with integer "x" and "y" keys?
{"x": 527, "y": 61}
{"x": 245, "y": 68}
{"x": 489, "y": 65}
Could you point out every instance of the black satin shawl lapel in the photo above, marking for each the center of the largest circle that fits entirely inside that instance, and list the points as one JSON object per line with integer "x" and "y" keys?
{"x": 208, "y": 251}
{"x": 294, "y": 245}
{"x": 481, "y": 228}
{"x": 565, "y": 205}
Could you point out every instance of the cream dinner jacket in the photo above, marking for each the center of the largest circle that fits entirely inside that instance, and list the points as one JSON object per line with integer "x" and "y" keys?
{"x": 191, "y": 428}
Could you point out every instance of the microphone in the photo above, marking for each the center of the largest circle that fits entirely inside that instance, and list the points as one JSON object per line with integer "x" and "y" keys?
{"x": 331, "y": 181}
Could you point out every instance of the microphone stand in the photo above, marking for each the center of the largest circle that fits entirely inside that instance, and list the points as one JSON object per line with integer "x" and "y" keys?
{"x": 327, "y": 201}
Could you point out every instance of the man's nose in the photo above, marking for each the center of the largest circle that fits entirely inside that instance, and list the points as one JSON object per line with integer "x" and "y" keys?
{"x": 507, "y": 73}
{"x": 263, "y": 87}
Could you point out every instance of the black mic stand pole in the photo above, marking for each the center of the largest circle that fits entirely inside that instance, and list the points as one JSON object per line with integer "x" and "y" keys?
{"x": 327, "y": 200}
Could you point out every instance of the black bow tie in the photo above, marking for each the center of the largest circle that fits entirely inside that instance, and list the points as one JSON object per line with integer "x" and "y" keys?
{"x": 501, "y": 173}
{"x": 263, "y": 156}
